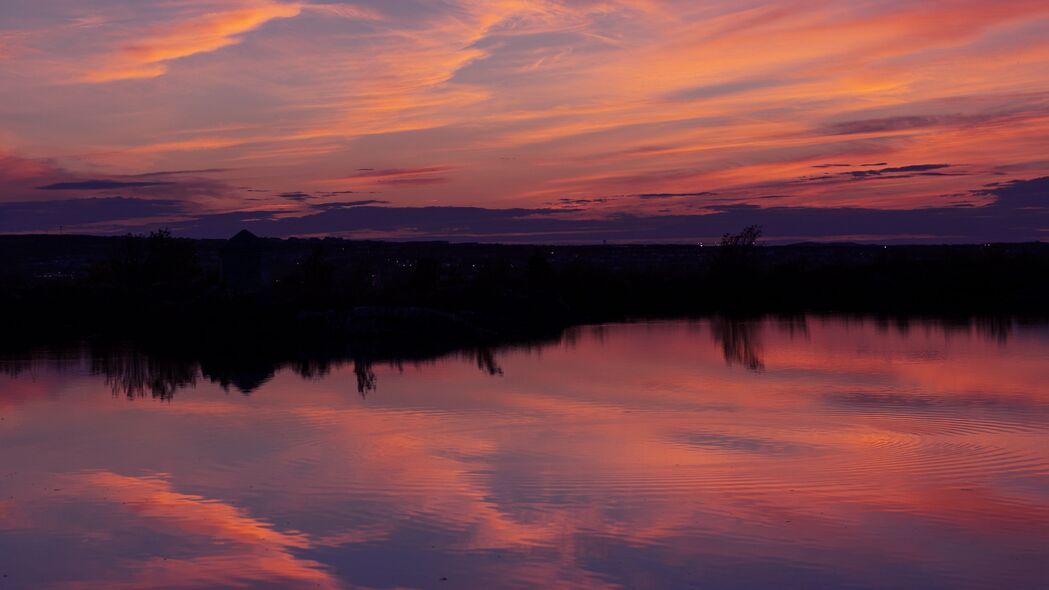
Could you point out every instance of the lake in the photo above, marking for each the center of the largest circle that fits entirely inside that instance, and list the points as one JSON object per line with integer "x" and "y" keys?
{"x": 805, "y": 452}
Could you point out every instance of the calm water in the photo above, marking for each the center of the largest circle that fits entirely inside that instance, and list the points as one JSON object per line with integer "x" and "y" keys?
{"x": 806, "y": 454}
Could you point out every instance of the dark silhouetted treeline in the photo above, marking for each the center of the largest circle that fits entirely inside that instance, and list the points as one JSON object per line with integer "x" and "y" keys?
{"x": 433, "y": 296}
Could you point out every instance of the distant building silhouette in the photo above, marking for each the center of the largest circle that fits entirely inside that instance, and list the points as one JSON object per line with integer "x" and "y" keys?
{"x": 245, "y": 267}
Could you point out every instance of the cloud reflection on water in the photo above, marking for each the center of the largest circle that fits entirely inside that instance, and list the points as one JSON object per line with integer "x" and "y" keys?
{"x": 644, "y": 455}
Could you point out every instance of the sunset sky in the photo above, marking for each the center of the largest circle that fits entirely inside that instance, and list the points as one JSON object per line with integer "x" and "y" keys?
{"x": 527, "y": 120}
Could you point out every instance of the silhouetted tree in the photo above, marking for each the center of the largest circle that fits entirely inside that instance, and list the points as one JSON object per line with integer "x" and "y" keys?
{"x": 315, "y": 277}
{"x": 425, "y": 277}
{"x": 144, "y": 262}
{"x": 539, "y": 273}
{"x": 735, "y": 266}
{"x": 744, "y": 240}
{"x": 170, "y": 259}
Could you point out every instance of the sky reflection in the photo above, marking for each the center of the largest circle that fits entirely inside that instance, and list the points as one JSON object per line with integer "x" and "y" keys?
{"x": 769, "y": 454}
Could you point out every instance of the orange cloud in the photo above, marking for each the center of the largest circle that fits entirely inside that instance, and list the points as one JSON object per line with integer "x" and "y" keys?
{"x": 148, "y": 57}
{"x": 853, "y": 432}
{"x": 251, "y": 549}
{"x": 538, "y": 99}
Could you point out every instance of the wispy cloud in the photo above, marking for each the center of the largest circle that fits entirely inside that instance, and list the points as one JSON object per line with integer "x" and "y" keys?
{"x": 147, "y": 56}
{"x": 522, "y": 103}
{"x": 95, "y": 185}
{"x": 396, "y": 172}
{"x": 1011, "y": 211}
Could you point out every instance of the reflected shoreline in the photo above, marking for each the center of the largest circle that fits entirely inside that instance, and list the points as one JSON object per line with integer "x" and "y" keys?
{"x": 716, "y": 452}
{"x": 161, "y": 369}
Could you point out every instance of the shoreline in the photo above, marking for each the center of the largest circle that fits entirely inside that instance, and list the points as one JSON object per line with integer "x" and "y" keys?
{"x": 382, "y": 295}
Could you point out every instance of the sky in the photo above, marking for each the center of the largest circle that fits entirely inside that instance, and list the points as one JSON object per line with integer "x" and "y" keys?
{"x": 527, "y": 120}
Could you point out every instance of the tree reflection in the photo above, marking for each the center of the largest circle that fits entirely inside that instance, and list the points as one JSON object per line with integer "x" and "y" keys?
{"x": 136, "y": 374}
{"x": 367, "y": 382}
{"x": 740, "y": 342}
{"x": 161, "y": 373}
{"x": 487, "y": 362}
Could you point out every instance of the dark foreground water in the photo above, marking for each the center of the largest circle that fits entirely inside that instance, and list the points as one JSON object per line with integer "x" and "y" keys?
{"x": 818, "y": 453}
